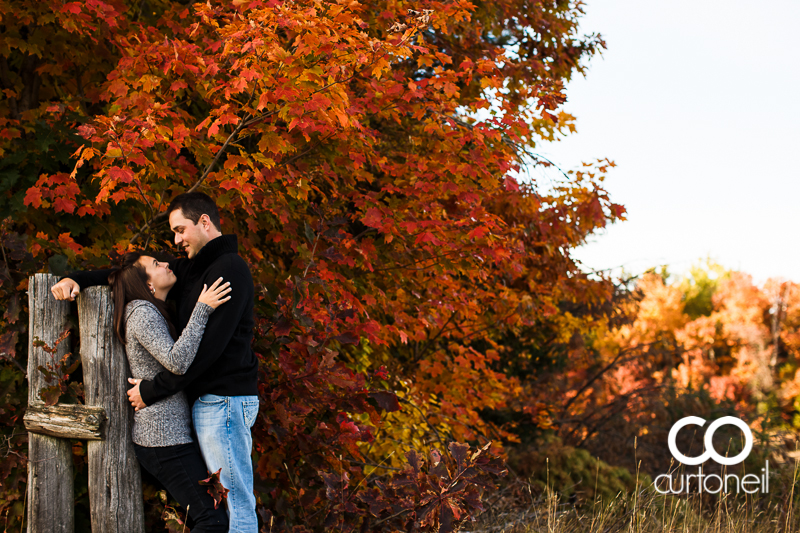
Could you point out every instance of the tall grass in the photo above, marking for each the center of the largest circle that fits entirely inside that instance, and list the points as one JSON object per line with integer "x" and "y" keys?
{"x": 645, "y": 510}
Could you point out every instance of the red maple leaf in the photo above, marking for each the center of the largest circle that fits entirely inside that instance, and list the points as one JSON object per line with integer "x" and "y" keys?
{"x": 33, "y": 197}
{"x": 215, "y": 487}
{"x": 373, "y": 218}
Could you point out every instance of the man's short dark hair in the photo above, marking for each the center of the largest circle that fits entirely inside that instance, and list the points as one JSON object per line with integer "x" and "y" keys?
{"x": 193, "y": 205}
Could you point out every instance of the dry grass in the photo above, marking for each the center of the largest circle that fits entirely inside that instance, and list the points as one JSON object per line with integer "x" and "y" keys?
{"x": 647, "y": 511}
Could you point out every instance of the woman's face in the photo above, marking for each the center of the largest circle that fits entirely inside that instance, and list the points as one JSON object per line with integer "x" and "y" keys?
{"x": 159, "y": 275}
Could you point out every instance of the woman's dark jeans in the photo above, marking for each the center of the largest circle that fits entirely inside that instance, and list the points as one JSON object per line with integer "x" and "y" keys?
{"x": 179, "y": 468}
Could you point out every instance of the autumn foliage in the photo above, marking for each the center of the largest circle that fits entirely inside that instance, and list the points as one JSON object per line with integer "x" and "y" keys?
{"x": 420, "y": 315}
{"x": 366, "y": 156}
{"x": 708, "y": 343}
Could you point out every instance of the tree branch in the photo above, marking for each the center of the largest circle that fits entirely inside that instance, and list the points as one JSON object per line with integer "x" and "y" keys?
{"x": 597, "y": 376}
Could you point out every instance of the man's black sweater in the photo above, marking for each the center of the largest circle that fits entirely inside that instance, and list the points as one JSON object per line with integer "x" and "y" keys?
{"x": 225, "y": 364}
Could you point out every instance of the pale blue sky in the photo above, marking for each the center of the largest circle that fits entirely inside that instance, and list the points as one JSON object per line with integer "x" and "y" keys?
{"x": 698, "y": 103}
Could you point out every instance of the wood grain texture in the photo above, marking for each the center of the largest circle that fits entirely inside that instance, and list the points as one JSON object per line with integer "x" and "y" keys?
{"x": 67, "y": 421}
{"x": 115, "y": 486}
{"x": 51, "y": 494}
{"x": 51, "y": 505}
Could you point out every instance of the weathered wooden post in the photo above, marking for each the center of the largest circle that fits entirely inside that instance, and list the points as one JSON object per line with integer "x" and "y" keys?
{"x": 115, "y": 485}
{"x": 51, "y": 497}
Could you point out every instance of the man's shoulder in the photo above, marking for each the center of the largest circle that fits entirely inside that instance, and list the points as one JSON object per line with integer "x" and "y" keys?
{"x": 233, "y": 268}
{"x": 229, "y": 260}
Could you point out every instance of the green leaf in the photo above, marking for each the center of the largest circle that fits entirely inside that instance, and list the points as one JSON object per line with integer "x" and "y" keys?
{"x": 310, "y": 234}
{"x": 58, "y": 265}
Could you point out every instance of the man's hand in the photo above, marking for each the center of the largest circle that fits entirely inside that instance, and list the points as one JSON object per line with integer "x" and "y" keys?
{"x": 133, "y": 395}
{"x": 66, "y": 289}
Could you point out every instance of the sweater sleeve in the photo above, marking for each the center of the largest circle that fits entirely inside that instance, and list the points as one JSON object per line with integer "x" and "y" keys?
{"x": 221, "y": 327}
{"x": 147, "y": 325}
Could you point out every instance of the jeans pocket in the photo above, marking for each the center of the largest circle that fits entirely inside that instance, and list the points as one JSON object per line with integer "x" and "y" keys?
{"x": 250, "y": 412}
{"x": 212, "y": 399}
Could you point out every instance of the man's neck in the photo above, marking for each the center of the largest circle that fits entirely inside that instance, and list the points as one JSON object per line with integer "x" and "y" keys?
{"x": 213, "y": 249}
{"x": 212, "y": 237}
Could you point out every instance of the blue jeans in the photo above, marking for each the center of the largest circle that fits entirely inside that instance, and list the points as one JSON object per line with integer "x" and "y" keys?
{"x": 222, "y": 424}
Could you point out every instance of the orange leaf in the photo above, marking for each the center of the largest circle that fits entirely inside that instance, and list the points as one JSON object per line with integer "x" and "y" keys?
{"x": 65, "y": 240}
{"x": 124, "y": 175}
{"x": 33, "y": 197}
{"x": 478, "y": 232}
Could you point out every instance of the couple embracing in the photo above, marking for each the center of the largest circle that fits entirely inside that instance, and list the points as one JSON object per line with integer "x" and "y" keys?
{"x": 195, "y": 373}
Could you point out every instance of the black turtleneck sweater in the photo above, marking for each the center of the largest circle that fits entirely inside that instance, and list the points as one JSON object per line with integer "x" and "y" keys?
{"x": 225, "y": 364}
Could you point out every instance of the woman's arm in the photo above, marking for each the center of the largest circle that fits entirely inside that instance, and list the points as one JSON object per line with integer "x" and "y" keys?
{"x": 149, "y": 327}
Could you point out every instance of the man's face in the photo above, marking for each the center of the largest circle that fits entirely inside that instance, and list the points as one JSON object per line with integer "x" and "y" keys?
{"x": 188, "y": 235}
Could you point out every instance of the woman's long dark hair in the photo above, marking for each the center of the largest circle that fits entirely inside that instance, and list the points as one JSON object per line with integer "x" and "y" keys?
{"x": 129, "y": 283}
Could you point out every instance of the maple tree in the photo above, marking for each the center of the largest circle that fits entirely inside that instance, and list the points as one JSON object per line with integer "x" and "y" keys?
{"x": 365, "y": 155}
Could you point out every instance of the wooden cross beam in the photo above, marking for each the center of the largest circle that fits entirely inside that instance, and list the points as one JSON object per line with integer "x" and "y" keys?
{"x": 66, "y": 421}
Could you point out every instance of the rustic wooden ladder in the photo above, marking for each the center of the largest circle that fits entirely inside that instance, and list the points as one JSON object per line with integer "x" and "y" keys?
{"x": 115, "y": 485}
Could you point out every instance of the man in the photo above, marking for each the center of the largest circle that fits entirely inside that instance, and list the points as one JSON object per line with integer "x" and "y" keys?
{"x": 221, "y": 383}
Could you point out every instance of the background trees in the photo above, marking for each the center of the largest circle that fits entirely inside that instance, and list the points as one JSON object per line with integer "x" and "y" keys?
{"x": 413, "y": 290}
{"x": 709, "y": 343}
{"x": 411, "y": 287}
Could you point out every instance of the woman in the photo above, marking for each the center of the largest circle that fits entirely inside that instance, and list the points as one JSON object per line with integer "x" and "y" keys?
{"x": 162, "y": 431}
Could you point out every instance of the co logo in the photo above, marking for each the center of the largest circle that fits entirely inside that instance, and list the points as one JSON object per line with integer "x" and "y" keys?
{"x": 709, "y": 445}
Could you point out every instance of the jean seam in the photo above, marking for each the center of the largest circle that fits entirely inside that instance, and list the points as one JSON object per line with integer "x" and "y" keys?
{"x": 229, "y": 460}
{"x": 245, "y": 405}
{"x": 229, "y": 457}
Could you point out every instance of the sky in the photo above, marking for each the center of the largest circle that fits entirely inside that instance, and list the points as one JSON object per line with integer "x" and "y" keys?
{"x": 698, "y": 104}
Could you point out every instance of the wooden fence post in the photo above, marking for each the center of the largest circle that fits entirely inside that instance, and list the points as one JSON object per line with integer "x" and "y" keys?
{"x": 115, "y": 485}
{"x": 51, "y": 500}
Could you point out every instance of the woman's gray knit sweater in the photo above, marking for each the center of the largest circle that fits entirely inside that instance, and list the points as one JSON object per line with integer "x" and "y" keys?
{"x": 150, "y": 350}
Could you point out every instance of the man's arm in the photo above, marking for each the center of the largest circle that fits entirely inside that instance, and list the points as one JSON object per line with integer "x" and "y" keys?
{"x": 70, "y": 286}
{"x": 220, "y": 328}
